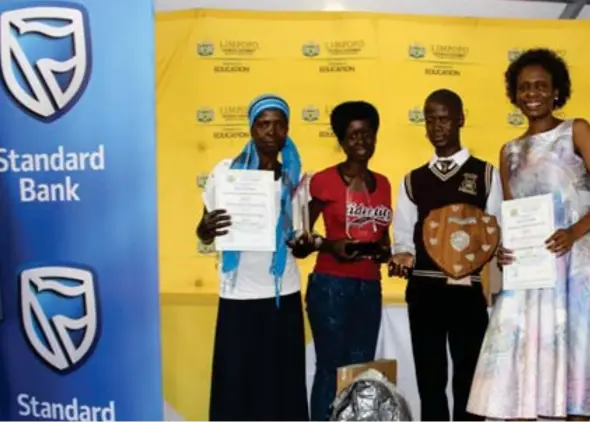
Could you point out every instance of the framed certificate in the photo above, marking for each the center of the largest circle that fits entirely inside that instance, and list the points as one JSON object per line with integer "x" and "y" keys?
{"x": 526, "y": 224}
{"x": 249, "y": 197}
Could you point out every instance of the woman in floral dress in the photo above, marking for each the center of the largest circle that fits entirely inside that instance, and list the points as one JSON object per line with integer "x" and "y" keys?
{"x": 535, "y": 359}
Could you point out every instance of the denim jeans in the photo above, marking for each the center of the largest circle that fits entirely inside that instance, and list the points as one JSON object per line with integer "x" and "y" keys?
{"x": 345, "y": 315}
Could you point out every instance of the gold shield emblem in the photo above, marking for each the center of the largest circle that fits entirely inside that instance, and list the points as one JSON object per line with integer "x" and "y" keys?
{"x": 469, "y": 184}
{"x": 460, "y": 238}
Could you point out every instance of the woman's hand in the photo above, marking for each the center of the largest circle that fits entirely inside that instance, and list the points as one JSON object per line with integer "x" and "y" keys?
{"x": 213, "y": 224}
{"x": 400, "y": 264}
{"x": 384, "y": 254}
{"x": 341, "y": 249}
{"x": 305, "y": 244}
{"x": 302, "y": 245}
{"x": 561, "y": 241}
{"x": 504, "y": 256}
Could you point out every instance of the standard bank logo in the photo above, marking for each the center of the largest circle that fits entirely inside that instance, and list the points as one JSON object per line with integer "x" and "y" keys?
{"x": 59, "y": 314}
{"x": 45, "y": 57}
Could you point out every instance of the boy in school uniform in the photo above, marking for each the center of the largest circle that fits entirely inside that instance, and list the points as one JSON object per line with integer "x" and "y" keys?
{"x": 440, "y": 308}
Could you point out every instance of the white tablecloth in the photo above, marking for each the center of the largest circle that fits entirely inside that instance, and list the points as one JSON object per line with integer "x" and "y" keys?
{"x": 394, "y": 343}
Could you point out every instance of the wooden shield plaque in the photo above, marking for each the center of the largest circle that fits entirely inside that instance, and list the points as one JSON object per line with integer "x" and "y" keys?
{"x": 460, "y": 238}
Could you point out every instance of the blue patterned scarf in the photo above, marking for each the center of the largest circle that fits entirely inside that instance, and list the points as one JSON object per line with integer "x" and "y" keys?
{"x": 291, "y": 170}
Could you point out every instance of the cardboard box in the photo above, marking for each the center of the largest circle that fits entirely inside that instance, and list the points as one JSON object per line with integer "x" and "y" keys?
{"x": 347, "y": 374}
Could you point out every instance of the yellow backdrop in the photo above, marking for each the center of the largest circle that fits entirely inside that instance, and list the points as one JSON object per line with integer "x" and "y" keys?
{"x": 210, "y": 64}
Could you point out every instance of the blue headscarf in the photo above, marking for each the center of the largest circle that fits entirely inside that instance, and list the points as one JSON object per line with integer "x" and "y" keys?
{"x": 291, "y": 171}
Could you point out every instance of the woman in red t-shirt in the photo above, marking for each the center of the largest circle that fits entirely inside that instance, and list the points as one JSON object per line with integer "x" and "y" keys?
{"x": 344, "y": 291}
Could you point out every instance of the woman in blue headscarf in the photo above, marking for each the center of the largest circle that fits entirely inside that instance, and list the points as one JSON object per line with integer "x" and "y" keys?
{"x": 259, "y": 353}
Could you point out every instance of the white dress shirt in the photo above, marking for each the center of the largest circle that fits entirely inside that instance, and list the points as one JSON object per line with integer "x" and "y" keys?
{"x": 406, "y": 212}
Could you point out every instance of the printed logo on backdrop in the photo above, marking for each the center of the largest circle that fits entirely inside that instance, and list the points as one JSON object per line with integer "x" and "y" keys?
{"x": 232, "y": 55}
{"x": 204, "y": 249}
{"x": 416, "y": 116}
{"x": 310, "y": 114}
{"x": 45, "y": 57}
{"x": 320, "y": 118}
{"x": 514, "y": 53}
{"x": 515, "y": 118}
{"x": 440, "y": 59}
{"x": 227, "y": 121}
{"x": 202, "y": 180}
{"x": 335, "y": 55}
{"x": 59, "y": 314}
{"x": 205, "y": 49}
{"x": 310, "y": 49}
{"x": 205, "y": 115}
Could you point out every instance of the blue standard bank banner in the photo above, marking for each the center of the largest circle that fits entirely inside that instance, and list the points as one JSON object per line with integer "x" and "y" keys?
{"x": 79, "y": 328}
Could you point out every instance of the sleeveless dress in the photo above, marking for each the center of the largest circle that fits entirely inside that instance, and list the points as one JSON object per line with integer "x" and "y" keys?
{"x": 535, "y": 359}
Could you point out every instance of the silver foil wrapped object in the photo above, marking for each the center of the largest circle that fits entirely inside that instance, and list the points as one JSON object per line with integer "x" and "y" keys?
{"x": 371, "y": 397}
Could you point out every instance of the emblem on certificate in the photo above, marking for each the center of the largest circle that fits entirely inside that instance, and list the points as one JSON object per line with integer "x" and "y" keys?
{"x": 460, "y": 238}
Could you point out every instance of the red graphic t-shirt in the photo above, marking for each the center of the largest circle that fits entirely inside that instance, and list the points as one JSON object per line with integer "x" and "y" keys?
{"x": 364, "y": 216}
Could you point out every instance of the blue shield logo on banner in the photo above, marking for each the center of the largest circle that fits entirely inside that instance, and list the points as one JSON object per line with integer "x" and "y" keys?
{"x": 45, "y": 57}
{"x": 77, "y": 93}
{"x": 59, "y": 314}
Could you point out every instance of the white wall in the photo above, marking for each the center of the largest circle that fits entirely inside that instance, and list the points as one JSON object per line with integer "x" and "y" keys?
{"x": 476, "y": 8}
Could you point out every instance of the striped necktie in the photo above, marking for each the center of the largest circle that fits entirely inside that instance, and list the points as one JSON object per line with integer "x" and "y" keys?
{"x": 445, "y": 165}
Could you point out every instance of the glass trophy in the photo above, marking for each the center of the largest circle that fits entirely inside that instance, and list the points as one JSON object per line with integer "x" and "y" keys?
{"x": 301, "y": 221}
